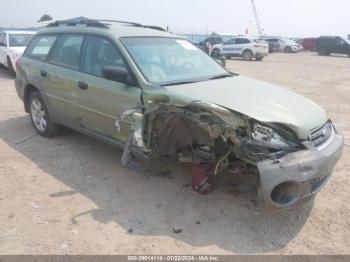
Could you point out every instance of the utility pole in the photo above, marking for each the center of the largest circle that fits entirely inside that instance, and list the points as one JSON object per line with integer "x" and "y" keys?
{"x": 258, "y": 25}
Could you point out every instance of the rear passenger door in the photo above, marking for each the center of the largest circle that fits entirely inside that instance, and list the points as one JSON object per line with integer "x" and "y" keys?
{"x": 229, "y": 47}
{"x": 241, "y": 45}
{"x": 99, "y": 100}
{"x": 60, "y": 77}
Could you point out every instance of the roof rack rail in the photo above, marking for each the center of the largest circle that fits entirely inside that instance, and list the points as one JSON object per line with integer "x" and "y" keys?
{"x": 86, "y": 22}
{"x": 132, "y": 24}
{"x": 119, "y": 21}
{"x": 101, "y": 23}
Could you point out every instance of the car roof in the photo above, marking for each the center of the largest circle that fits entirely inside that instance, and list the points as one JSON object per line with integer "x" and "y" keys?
{"x": 114, "y": 30}
{"x": 19, "y": 32}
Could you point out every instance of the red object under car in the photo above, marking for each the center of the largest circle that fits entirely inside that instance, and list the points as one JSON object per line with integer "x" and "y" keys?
{"x": 308, "y": 43}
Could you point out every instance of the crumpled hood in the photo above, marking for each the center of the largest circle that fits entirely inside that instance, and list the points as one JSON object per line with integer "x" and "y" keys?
{"x": 259, "y": 100}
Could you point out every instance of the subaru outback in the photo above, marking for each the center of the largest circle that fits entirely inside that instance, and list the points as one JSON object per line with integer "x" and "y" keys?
{"x": 155, "y": 94}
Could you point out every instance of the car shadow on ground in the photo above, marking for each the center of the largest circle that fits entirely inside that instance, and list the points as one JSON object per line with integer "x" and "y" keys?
{"x": 154, "y": 198}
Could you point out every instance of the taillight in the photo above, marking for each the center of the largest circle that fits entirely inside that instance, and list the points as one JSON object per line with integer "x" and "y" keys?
{"x": 257, "y": 45}
{"x": 18, "y": 62}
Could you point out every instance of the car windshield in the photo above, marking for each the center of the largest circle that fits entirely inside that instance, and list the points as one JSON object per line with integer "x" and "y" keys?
{"x": 288, "y": 41}
{"x": 167, "y": 61}
{"x": 346, "y": 40}
{"x": 20, "y": 39}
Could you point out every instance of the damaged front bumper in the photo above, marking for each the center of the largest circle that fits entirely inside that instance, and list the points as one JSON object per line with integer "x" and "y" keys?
{"x": 297, "y": 177}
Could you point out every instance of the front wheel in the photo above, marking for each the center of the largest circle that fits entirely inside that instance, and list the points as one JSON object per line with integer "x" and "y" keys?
{"x": 247, "y": 55}
{"x": 39, "y": 116}
{"x": 288, "y": 49}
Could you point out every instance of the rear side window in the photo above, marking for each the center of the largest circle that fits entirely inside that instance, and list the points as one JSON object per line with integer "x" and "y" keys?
{"x": 98, "y": 53}
{"x": 67, "y": 51}
{"x": 40, "y": 47}
{"x": 242, "y": 41}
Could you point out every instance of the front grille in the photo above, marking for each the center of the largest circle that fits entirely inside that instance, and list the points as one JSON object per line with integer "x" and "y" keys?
{"x": 320, "y": 135}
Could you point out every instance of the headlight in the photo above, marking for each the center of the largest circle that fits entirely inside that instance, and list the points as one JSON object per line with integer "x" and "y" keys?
{"x": 267, "y": 137}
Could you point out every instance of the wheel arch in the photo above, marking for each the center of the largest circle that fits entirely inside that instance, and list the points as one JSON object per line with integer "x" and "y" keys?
{"x": 247, "y": 49}
{"x": 27, "y": 91}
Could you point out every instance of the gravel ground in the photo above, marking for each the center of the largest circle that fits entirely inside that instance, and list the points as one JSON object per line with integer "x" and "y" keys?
{"x": 70, "y": 195}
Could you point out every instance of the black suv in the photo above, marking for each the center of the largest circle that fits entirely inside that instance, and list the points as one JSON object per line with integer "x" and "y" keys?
{"x": 326, "y": 45}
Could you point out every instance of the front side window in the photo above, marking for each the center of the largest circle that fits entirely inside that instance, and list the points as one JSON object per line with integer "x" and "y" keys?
{"x": 19, "y": 39}
{"x": 40, "y": 47}
{"x": 100, "y": 52}
{"x": 167, "y": 61}
{"x": 67, "y": 51}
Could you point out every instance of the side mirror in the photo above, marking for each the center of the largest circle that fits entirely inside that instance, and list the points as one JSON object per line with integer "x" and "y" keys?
{"x": 118, "y": 74}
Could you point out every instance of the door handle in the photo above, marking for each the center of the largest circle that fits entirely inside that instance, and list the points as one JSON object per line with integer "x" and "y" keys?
{"x": 43, "y": 73}
{"x": 82, "y": 85}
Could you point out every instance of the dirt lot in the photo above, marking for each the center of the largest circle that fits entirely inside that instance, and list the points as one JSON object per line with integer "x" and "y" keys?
{"x": 70, "y": 195}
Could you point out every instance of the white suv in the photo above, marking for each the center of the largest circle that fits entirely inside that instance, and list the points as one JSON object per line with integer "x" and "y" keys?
{"x": 12, "y": 45}
{"x": 247, "y": 48}
{"x": 283, "y": 45}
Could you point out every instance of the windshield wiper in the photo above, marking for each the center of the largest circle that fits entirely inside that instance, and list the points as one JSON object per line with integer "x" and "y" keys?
{"x": 179, "y": 83}
{"x": 220, "y": 76}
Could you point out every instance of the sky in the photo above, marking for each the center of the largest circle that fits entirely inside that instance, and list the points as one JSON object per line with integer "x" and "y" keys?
{"x": 292, "y": 18}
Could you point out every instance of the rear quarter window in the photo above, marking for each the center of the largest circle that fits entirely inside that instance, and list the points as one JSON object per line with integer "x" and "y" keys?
{"x": 40, "y": 47}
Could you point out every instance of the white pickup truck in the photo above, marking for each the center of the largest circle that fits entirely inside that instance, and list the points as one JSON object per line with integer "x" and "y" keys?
{"x": 12, "y": 45}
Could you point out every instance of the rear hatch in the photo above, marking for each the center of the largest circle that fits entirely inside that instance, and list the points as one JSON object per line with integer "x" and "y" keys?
{"x": 261, "y": 46}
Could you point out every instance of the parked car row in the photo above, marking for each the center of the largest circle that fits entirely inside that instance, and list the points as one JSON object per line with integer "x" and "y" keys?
{"x": 12, "y": 45}
{"x": 247, "y": 48}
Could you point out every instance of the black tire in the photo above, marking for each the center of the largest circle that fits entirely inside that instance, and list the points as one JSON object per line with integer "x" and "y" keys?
{"x": 247, "y": 55}
{"x": 10, "y": 66}
{"x": 323, "y": 52}
{"x": 40, "y": 115}
{"x": 215, "y": 52}
{"x": 259, "y": 58}
{"x": 288, "y": 49}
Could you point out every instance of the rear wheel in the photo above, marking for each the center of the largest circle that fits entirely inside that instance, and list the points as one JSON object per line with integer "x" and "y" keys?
{"x": 247, "y": 55}
{"x": 10, "y": 66}
{"x": 40, "y": 117}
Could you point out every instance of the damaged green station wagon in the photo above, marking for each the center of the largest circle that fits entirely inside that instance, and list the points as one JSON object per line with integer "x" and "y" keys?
{"x": 156, "y": 94}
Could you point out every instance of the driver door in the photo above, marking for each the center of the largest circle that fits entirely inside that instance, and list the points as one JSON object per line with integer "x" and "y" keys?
{"x": 99, "y": 101}
{"x": 341, "y": 46}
